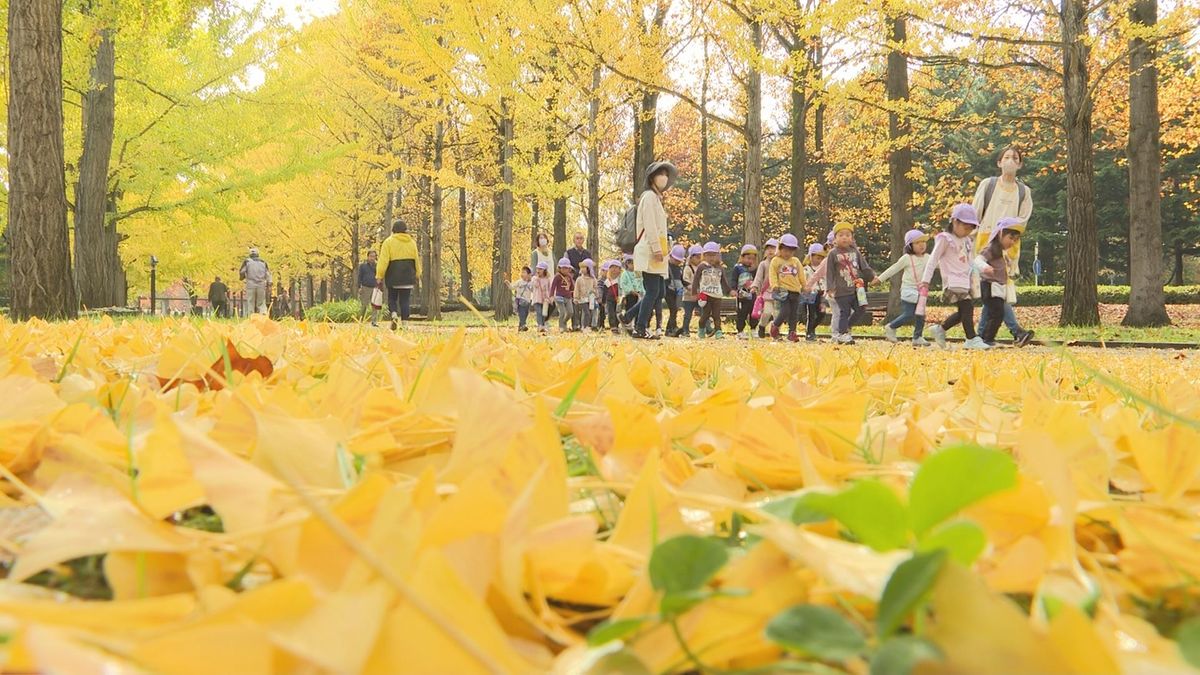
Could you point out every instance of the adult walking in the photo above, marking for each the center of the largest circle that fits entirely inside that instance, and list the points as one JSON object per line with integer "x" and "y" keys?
{"x": 996, "y": 198}
{"x": 366, "y": 287}
{"x": 577, "y": 254}
{"x": 257, "y": 276}
{"x": 397, "y": 270}
{"x": 218, "y": 298}
{"x": 542, "y": 253}
{"x": 650, "y": 252}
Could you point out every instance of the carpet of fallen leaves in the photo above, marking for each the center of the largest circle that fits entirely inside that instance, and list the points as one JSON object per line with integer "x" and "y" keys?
{"x": 266, "y": 497}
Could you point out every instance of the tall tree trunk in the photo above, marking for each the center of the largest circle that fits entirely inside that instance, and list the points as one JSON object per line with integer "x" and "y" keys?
{"x": 1083, "y": 251}
{"x": 647, "y": 127}
{"x": 705, "y": 194}
{"x": 464, "y": 269}
{"x": 1147, "y": 302}
{"x": 560, "y": 204}
{"x": 39, "y": 245}
{"x": 1177, "y": 273}
{"x": 389, "y": 207}
{"x": 900, "y": 158}
{"x": 535, "y": 207}
{"x": 355, "y": 243}
{"x": 593, "y": 208}
{"x": 752, "y": 202}
{"x": 799, "y": 114}
{"x": 95, "y": 239}
{"x": 433, "y": 292}
{"x": 824, "y": 201}
{"x": 501, "y": 297}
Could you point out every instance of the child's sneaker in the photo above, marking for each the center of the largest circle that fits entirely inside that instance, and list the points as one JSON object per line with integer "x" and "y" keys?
{"x": 939, "y": 335}
{"x": 701, "y": 333}
{"x": 890, "y": 334}
{"x": 1024, "y": 338}
{"x": 395, "y": 321}
{"x": 718, "y": 334}
{"x": 920, "y": 342}
{"x": 743, "y": 335}
{"x": 811, "y": 337}
{"x": 976, "y": 343}
{"x": 774, "y": 332}
{"x": 793, "y": 337}
{"x": 845, "y": 339}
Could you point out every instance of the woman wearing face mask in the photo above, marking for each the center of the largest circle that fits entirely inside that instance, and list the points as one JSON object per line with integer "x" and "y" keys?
{"x": 650, "y": 253}
{"x": 541, "y": 253}
{"x": 996, "y": 198}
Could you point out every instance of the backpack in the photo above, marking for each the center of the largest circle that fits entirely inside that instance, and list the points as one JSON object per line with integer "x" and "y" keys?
{"x": 627, "y": 234}
{"x": 1022, "y": 193}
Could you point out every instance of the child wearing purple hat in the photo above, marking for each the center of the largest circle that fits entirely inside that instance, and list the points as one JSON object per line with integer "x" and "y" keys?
{"x": 953, "y": 251}
{"x": 675, "y": 287}
{"x": 742, "y": 281}
{"x": 710, "y": 286}
{"x": 689, "y": 298}
{"x": 563, "y": 288}
{"x": 993, "y": 264}
{"x": 911, "y": 267}
{"x": 586, "y": 294}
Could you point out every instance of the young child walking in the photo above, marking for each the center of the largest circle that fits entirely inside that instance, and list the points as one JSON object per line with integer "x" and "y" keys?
{"x": 787, "y": 284}
{"x": 632, "y": 292}
{"x": 911, "y": 267}
{"x": 523, "y": 298}
{"x": 710, "y": 286}
{"x": 846, "y": 275}
{"x": 992, "y": 263}
{"x": 690, "y": 304}
{"x": 543, "y": 295}
{"x": 675, "y": 287}
{"x": 742, "y": 281}
{"x": 811, "y": 302}
{"x": 586, "y": 293}
{"x": 952, "y": 256}
{"x": 563, "y": 288}
{"x": 762, "y": 287}
{"x": 611, "y": 273}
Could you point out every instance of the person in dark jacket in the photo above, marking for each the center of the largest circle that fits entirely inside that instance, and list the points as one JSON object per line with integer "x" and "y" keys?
{"x": 577, "y": 254}
{"x": 397, "y": 271}
{"x": 218, "y": 298}
{"x": 366, "y": 287}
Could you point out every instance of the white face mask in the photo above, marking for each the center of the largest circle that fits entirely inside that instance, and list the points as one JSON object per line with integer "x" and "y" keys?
{"x": 660, "y": 182}
{"x": 1009, "y": 166}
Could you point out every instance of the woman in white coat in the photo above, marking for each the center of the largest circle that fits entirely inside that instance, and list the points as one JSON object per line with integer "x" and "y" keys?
{"x": 650, "y": 252}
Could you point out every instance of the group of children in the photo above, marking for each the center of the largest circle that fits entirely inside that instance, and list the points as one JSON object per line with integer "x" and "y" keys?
{"x": 783, "y": 288}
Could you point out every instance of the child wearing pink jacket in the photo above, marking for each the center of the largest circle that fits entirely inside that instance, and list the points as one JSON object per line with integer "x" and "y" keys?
{"x": 953, "y": 253}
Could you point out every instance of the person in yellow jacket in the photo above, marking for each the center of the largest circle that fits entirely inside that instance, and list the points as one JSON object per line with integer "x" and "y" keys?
{"x": 397, "y": 272}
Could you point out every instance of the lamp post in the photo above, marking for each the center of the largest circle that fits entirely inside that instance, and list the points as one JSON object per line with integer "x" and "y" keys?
{"x": 153, "y": 285}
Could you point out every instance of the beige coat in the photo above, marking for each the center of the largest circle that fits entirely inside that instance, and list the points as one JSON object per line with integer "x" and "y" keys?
{"x": 652, "y": 226}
